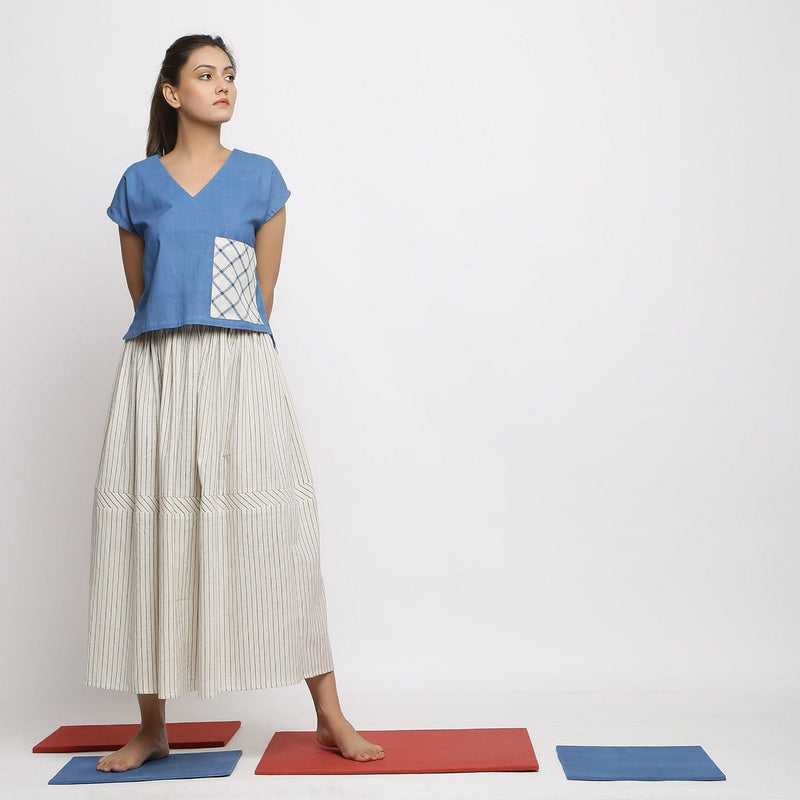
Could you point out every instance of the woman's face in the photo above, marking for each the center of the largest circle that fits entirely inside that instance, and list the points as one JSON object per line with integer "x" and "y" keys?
{"x": 206, "y": 81}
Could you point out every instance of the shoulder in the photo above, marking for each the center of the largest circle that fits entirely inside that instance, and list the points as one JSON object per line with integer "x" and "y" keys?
{"x": 138, "y": 168}
{"x": 257, "y": 161}
{"x": 254, "y": 158}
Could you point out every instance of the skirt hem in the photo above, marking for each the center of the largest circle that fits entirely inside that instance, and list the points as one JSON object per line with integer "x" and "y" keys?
{"x": 210, "y": 695}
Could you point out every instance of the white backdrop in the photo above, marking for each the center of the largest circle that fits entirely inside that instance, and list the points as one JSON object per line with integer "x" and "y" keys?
{"x": 537, "y": 307}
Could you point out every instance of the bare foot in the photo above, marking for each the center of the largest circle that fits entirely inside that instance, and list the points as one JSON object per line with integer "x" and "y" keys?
{"x": 340, "y": 735}
{"x": 142, "y": 747}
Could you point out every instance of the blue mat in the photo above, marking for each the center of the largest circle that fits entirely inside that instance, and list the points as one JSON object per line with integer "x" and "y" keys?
{"x": 83, "y": 769}
{"x": 689, "y": 763}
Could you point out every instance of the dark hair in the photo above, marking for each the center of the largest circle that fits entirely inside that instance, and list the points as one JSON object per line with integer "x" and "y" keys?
{"x": 162, "y": 132}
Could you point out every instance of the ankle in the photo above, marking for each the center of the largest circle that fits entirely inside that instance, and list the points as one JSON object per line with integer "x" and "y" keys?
{"x": 329, "y": 715}
{"x": 153, "y": 727}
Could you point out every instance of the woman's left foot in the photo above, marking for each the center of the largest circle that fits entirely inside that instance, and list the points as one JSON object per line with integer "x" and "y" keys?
{"x": 342, "y": 736}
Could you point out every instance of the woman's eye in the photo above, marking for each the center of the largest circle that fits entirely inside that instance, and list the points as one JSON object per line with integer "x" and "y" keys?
{"x": 232, "y": 77}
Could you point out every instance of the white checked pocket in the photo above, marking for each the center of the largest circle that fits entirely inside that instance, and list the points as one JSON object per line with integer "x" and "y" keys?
{"x": 234, "y": 281}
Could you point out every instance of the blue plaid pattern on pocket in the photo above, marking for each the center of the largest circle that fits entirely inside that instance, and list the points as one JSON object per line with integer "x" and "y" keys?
{"x": 234, "y": 282}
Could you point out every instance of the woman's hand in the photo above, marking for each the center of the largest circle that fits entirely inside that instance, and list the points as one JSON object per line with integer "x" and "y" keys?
{"x": 132, "y": 247}
{"x": 269, "y": 246}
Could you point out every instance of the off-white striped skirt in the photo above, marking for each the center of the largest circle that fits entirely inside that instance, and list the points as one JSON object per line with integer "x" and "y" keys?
{"x": 205, "y": 561}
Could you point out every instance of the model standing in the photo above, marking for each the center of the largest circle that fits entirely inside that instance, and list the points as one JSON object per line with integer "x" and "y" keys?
{"x": 205, "y": 567}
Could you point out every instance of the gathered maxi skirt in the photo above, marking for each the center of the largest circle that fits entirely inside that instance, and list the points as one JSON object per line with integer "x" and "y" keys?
{"x": 205, "y": 559}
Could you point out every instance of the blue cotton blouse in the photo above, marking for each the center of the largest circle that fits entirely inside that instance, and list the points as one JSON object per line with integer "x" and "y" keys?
{"x": 199, "y": 250}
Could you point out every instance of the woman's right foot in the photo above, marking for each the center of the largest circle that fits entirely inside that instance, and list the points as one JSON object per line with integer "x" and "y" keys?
{"x": 144, "y": 746}
{"x": 340, "y": 735}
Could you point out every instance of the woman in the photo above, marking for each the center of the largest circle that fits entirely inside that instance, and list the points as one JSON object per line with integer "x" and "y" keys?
{"x": 205, "y": 572}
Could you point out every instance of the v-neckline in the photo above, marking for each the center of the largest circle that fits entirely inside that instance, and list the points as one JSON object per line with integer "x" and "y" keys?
{"x": 205, "y": 185}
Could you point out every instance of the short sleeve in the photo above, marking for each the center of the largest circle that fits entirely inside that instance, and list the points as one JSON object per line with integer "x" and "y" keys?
{"x": 119, "y": 210}
{"x": 276, "y": 191}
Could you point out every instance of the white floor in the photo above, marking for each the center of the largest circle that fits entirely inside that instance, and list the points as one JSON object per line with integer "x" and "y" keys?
{"x": 752, "y": 737}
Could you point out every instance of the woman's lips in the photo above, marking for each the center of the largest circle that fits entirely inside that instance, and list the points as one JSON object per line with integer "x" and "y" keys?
{"x": 222, "y": 102}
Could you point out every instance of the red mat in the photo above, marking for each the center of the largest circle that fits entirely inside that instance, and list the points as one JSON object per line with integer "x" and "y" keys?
{"x": 465, "y": 750}
{"x": 83, "y": 738}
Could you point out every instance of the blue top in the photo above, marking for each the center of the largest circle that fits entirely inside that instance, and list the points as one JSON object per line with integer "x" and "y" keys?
{"x": 199, "y": 250}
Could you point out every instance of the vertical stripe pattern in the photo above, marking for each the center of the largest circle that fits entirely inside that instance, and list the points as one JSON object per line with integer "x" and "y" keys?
{"x": 205, "y": 564}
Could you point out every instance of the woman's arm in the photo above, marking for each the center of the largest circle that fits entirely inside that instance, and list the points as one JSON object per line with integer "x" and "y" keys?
{"x": 132, "y": 247}
{"x": 269, "y": 245}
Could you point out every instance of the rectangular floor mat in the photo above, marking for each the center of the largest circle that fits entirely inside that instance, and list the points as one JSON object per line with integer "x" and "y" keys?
{"x": 417, "y": 751}
{"x": 89, "y": 738}
{"x": 83, "y": 769}
{"x": 682, "y": 763}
